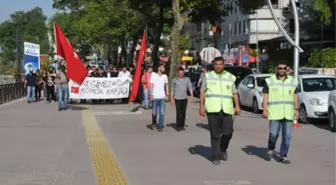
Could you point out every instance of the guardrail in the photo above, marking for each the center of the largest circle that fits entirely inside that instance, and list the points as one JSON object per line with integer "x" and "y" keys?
{"x": 10, "y": 92}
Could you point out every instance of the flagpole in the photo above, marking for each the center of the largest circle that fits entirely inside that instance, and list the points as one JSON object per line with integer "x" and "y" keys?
{"x": 55, "y": 49}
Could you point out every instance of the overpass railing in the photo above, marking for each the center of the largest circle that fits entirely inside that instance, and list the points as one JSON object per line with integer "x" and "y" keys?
{"x": 10, "y": 92}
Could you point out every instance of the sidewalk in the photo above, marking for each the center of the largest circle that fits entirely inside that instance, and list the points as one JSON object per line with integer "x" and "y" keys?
{"x": 41, "y": 146}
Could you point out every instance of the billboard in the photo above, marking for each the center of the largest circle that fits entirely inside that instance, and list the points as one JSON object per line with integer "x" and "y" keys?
{"x": 31, "y": 56}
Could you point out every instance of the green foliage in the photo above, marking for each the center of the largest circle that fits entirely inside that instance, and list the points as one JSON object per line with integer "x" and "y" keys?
{"x": 322, "y": 9}
{"x": 32, "y": 27}
{"x": 323, "y": 58}
{"x": 248, "y": 6}
{"x": 184, "y": 42}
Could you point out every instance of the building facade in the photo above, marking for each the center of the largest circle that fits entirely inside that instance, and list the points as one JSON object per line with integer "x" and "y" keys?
{"x": 239, "y": 29}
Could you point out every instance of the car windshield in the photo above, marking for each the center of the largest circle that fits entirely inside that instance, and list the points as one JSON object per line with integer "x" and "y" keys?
{"x": 318, "y": 84}
{"x": 261, "y": 81}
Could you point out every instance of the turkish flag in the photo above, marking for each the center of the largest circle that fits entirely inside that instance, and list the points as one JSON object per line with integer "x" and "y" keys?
{"x": 137, "y": 75}
{"x": 76, "y": 70}
{"x": 75, "y": 89}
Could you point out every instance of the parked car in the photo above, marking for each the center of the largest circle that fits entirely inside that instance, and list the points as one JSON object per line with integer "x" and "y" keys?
{"x": 332, "y": 110}
{"x": 250, "y": 91}
{"x": 313, "y": 92}
{"x": 239, "y": 71}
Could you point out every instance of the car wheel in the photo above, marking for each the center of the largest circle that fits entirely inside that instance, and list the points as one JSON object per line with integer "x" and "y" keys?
{"x": 332, "y": 120}
{"x": 303, "y": 114}
{"x": 255, "y": 106}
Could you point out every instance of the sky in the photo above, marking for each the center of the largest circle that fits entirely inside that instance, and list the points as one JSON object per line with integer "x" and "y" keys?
{"x": 8, "y": 7}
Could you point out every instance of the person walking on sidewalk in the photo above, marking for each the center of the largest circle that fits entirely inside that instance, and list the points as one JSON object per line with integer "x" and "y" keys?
{"x": 179, "y": 96}
{"x": 30, "y": 84}
{"x": 62, "y": 83}
{"x": 146, "y": 87}
{"x": 280, "y": 106}
{"x": 218, "y": 93}
{"x": 159, "y": 92}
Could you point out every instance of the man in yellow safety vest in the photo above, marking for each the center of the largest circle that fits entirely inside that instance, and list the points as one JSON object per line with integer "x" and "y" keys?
{"x": 218, "y": 93}
{"x": 280, "y": 106}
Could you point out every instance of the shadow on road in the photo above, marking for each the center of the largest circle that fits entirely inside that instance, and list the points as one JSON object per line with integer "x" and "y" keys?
{"x": 77, "y": 108}
{"x": 203, "y": 126}
{"x": 321, "y": 123}
{"x": 256, "y": 151}
{"x": 172, "y": 125}
{"x": 201, "y": 150}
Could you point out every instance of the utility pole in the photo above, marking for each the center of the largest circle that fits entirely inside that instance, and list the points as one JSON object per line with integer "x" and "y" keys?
{"x": 18, "y": 49}
{"x": 297, "y": 48}
{"x": 257, "y": 37}
{"x": 202, "y": 42}
{"x": 297, "y": 39}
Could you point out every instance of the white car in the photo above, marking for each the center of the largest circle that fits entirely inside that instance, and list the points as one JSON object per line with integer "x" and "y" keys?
{"x": 313, "y": 92}
{"x": 250, "y": 91}
{"x": 332, "y": 110}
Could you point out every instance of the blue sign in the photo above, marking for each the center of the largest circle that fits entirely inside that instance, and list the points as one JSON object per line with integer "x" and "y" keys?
{"x": 31, "y": 57}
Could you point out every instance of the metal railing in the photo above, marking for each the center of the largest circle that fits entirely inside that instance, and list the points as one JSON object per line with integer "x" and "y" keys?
{"x": 10, "y": 92}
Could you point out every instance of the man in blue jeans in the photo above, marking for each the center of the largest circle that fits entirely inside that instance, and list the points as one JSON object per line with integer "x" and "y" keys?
{"x": 63, "y": 89}
{"x": 159, "y": 92}
{"x": 30, "y": 84}
{"x": 280, "y": 106}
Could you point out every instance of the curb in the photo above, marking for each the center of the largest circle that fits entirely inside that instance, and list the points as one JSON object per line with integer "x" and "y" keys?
{"x": 13, "y": 102}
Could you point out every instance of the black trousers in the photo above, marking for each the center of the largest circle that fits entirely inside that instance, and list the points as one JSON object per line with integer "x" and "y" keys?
{"x": 181, "y": 108}
{"x": 38, "y": 92}
{"x": 50, "y": 93}
{"x": 221, "y": 130}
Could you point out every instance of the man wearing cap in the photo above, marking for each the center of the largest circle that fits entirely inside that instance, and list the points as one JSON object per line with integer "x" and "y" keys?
{"x": 218, "y": 93}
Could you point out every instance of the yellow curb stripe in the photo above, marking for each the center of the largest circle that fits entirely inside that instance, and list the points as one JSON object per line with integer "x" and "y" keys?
{"x": 105, "y": 166}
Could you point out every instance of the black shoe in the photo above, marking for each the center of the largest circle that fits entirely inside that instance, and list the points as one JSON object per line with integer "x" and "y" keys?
{"x": 284, "y": 160}
{"x": 60, "y": 109}
{"x": 160, "y": 129}
{"x": 183, "y": 128}
{"x": 216, "y": 162}
{"x": 153, "y": 127}
{"x": 269, "y": 155}
{"x": 178, "y": 129}
{"x": 224, "y": 156}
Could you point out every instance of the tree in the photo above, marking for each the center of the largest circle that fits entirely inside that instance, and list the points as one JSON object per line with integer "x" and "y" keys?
{"x": 155, "y": 15}
{"x": 328, "y": 56}
{"x": 211, "y": 10}
{"x": 32, "y": 28}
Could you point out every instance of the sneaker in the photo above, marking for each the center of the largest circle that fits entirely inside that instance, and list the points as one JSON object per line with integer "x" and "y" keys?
{"x": 224, "y": 156}
{"x": 60, "y": 109}
{"x": 269, "y": 155}
{"x": 160, "y": 129}
{"x": 285, "y": 160}
{"x": 216, "y": 162}
{"x": 183, "y": 128}
{"x": 178, "y": 129}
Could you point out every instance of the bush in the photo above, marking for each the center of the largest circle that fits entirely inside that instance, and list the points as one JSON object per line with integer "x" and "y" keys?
{"x": 323, "y": 58}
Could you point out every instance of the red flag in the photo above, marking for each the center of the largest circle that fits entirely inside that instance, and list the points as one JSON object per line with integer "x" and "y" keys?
{"x": 76, "y": 70}
{"x": 137, "y": 75}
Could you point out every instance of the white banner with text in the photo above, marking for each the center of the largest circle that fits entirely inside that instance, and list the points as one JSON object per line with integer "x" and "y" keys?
{"x": 100, "y": 88}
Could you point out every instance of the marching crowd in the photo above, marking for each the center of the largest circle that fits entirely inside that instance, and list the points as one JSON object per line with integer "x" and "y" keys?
{"x": 219, "y": 100}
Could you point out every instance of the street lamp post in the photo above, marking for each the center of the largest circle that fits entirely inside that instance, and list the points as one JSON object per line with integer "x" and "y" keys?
{"x": 18, "y": 49}
{"x": 297, "y": 48}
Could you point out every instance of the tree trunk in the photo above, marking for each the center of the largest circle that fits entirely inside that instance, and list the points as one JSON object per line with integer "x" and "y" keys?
{"x": 179, "y": 21}
{"x": 157, "y": 39}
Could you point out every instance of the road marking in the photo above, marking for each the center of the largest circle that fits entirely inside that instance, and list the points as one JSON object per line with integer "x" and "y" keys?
{"x": 239, "y": 182}
{"x": 106, "y": 113}
{"x": 106, "y": 168}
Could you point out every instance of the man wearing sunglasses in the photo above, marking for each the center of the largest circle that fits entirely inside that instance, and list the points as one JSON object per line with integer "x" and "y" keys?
{"x": 280, "y": 106}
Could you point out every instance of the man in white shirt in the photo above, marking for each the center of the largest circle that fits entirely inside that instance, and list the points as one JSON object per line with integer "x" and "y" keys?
{"x": 159, "y": 92}
{"x": 122, "y": 74}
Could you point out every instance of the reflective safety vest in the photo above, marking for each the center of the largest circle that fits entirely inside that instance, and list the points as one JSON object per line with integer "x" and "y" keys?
{"x": 281, "y": 98}
{"x": 219, "y": 94}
